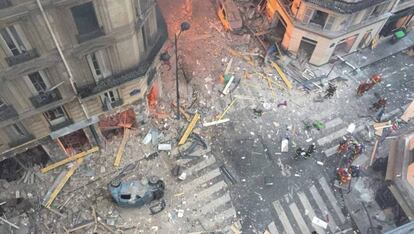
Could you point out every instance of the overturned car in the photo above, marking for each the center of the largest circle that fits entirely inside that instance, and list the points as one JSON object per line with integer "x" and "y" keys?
{"x": 136, "y": 193}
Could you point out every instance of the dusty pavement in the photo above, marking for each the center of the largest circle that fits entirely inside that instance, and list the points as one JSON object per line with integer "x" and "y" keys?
{"x": 248, "y": 145}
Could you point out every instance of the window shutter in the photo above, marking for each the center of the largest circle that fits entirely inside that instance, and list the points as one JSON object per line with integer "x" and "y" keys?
{"x": 307, "y": 16}
{"x": 329, "y": 22}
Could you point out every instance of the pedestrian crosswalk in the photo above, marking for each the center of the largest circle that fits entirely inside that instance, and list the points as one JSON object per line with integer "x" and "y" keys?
{"x": 206, "y": 196}
{"x": 308, "y": 210}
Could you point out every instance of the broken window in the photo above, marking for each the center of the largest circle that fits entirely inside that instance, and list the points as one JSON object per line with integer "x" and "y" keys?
{"x": 38, "y": 82}
{"x": 19, "y": 129}
{"x": 126, "y": 196}
{"x": 97, "y": 65}
{"x": 85, "y": 18}
{"x": 319, "y": 18}
{"x": 12, "y": 40}
{"x": 329, "y": 22}
{"x": 55, "y": 116}
{"x": 111, "y": 96}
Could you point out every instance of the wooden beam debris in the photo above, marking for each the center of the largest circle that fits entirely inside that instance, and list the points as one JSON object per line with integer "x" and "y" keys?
{"x": 282, "y": 75}
{"x": 226, "y": 89}
{"x": 190, "y": 128}
{"x": 69, "y": 159}
{"x": 62, "y": 182}
{"x": 121, "y": 148}
{"x": 374, "y": 151}
{"x": 205, "y": 124}
{"x": 9, "y": 223}
{"x": 227, "y": 109}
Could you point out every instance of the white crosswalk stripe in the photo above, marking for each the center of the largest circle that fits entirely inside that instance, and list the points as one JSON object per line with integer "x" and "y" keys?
{"x": 282, "y": 216}
{"x": 333, "y": 123}
{"x": 298, "y": 218}
{"x": 319, "y": 201}
{"x": 311, "y": 213}
{"x": 199, "y": 166}
{"x": 335, "y": 135}
{"x": 216, "y": 220}
{"x": 272, "y": 228}
{"x": 201, "y": 180}
{"x": 214, "y": 204}
{"x": 207, "y": 197}
{"x": 206, "y": 193}
{"x": 331, "y": 151}
{"x": 332, "y": 200}
{"x": 296, "y": 215}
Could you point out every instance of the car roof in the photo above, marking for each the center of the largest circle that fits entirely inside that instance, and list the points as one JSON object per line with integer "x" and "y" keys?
{"x": 134, "y": 188}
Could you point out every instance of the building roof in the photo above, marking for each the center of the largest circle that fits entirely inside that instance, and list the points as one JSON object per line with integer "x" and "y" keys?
{"x": 345, "y": 7}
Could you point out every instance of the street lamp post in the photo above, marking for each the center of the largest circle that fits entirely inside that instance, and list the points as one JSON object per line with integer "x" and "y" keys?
{"x": 183, "y": 27}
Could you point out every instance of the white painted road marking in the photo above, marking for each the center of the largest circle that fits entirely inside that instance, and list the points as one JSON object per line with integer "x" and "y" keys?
{"x": 192, "y": 185}
{"x": 323, "y": 208}
{"x": 298, "y": 217}
{"x": 282, "y": 216}
{"x": 332, "y": 200}
{"x": 311, "y": 213}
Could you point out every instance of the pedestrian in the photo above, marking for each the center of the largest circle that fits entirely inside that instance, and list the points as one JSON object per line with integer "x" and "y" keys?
{"x": 367, "y": 85}
{"x": 379, "y": 114}
{"x": 381, "y": 102}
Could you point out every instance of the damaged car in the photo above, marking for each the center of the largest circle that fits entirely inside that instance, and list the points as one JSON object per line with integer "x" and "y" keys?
{"x": 136, "y": 193}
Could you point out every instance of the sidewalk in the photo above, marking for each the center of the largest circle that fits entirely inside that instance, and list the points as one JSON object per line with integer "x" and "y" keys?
{"x": 384, "y": 50}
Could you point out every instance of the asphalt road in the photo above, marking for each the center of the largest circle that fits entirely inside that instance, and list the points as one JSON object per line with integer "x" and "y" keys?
{"x": 249, "y": 145}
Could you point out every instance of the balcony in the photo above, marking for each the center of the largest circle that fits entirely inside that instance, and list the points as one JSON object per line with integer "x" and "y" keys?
{"x": 345, "y": 7}
{"x": 7, "y": 112}
{"x": 114, "y": 104}
{"x": 5, "y": 4}
{"x": 23, "y": 57}
{"x": 91, "y": 35}
{"x": 137, "y": 72}
{"x": 56, "y": 127}
{"x": 21, "y": 141}
{"x": 45, "y": 98}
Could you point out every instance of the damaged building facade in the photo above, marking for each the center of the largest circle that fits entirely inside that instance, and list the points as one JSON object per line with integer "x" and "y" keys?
{"x": 320, "y": 30}
{"x": 71, "y": 68}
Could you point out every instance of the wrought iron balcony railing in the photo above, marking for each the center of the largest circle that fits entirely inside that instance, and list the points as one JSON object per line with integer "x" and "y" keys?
{"x": 137, "y": 72}
{"x": 45, "y": 98}
{"x": 23, "y": 57}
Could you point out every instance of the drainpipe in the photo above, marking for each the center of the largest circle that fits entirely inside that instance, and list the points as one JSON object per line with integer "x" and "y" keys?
{"x": 65, "y": 63}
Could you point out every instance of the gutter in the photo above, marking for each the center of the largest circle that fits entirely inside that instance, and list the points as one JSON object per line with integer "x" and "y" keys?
{"x": 55, "y": 41}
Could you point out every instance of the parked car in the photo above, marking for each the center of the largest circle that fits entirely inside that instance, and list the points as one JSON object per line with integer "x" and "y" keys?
{"x": 136, "y": 193}
{"x": 229, "y": 15}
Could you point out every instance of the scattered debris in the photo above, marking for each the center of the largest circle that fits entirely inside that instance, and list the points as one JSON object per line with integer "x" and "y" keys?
{"x": 121, "y": 148}
{"x": 205, "y": 124}
{"x": 229, "y": 176}
{"x": 284, "y": 145}
{"x": 190, "y": 128}
{"x": 164, "y": 147}
{"x": 69, "y": 159}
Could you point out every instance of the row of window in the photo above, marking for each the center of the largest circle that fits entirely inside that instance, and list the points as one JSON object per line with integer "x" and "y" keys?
{"x": 326, "y": 21}
{"x": 56, "y": 116}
